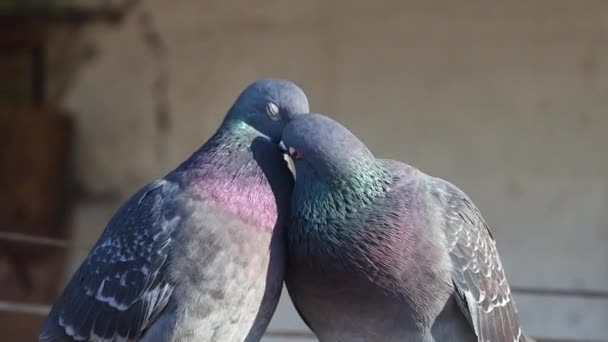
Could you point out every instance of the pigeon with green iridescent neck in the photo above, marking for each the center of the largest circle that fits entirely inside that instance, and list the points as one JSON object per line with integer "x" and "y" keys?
{"x": 198, "y": 255}
{"x": 379, "y": 251}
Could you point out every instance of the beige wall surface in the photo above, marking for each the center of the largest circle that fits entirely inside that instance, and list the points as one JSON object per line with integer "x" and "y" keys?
{"x": 507, "y": 100}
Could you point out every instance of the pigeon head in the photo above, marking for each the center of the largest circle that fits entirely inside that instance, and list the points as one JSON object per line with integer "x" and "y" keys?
{"x": 267, "y": 105}
{"x": 322, "y": 149}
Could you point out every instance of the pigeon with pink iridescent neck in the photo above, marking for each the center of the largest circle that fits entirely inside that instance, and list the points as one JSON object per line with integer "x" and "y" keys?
{"x": 197, "y": 255}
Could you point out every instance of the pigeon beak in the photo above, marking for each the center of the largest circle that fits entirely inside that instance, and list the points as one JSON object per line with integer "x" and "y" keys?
{"x": 290, "y": 151}
{"x": 290, "y": 165}
{"x": 287, "y": 157}
{"x": 283, "y": 148}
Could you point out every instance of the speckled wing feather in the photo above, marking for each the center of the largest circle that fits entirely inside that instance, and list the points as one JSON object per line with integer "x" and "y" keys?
{"x": 121, "y": 287}
{"x": 483, "y": 291}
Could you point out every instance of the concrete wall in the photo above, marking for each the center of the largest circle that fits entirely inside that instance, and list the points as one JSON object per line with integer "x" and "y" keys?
{"x": 508, "y": 100}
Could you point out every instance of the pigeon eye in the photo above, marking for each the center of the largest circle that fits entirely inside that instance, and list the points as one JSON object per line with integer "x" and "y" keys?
{"x": 293, "y": 153}
{"x": 273, "y": 111}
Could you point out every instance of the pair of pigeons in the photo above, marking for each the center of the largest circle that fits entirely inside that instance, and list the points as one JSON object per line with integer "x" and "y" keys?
{"x": 370, "y": 249}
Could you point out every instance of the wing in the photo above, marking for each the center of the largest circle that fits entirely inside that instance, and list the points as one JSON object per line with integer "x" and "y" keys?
{"x": 483, "y": 291}
{"x": 122, "y": 286}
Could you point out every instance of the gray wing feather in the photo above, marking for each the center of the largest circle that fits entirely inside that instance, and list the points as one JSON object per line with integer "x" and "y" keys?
{"x": 483, "y": 291}
{"x": 122, "y": 286}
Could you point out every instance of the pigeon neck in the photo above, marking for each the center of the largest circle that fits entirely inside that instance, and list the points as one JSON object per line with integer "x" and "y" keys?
{"x": 228, "y": 170}
{"x": 225, "y": 151}
{"x": 321, "y": 200}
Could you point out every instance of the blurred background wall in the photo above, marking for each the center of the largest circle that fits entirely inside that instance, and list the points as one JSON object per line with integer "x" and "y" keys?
{"x": 508, "y": 100}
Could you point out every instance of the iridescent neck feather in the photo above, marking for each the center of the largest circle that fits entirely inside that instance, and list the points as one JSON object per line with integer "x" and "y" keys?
{"x": 224, "y": 170}
{"x": 321, "y": 200}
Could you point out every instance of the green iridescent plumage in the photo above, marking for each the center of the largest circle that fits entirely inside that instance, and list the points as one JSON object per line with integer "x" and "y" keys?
{"x": 380, "y": 251}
